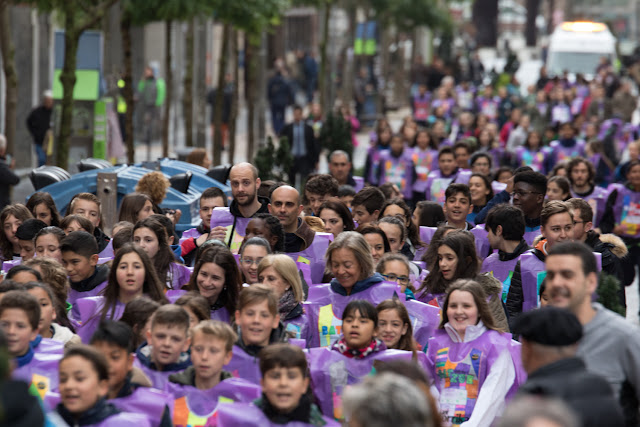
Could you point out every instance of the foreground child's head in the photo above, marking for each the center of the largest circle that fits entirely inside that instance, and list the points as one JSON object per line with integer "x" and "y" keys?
{"x": 465, "y": 305}
{"x": 169, "y": 335}
{"x": 83, "y": 379}
{"x": 79, "y": 255}
{"x": 257, "y": 314}
{"x": 19, "y": 319}
{"x": 115, "y": 341}
{"x": 359, "y": 324}
{"x": 211, "y": 345}
{"x": 284, "y": 376}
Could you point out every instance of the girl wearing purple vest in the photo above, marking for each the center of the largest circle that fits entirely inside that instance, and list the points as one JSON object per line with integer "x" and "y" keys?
{"x": 425, "y": 159}
{"x": 532, "y": 153}
{"x": 217, "y": 278}
{"x": 84, "y": 383}
{"x": 372, "y": 165}
{"x": 396, "y": 166}
{"x": 11, "y": 218}
{"x": 394, "y": 326}
{"x": 470, "y": 359}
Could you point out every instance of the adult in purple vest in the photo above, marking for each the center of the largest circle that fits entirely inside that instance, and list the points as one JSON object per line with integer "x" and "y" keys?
{"x": 340, "y": 168}
{"x": 396, "y": 167}
{"x": 446, "y": 174}
{"x": 425, "y": 159}
{"x": 505, "y": 232}
{"x": 455, "y": 258}
{"x": 582, "y": 174}
{"x": 470, "y": 359}
{"x": 83, "y": 402}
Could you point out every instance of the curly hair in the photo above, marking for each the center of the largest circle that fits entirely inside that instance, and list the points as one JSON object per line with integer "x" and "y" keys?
{"x": 155, "y": 185}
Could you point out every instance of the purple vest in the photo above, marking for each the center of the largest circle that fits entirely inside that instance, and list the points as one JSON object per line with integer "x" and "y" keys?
{"x": 74, "y": 295}
{"x": 373, "y": 156}
{"x": 498, "y": 187}
{"x": 159, "y": 379}
{"x": 41, "y": 372}
{"x": 50, "y": 346}
{"x": 359, "y": 183}
{"x": 488, "y": 107}
{"x": 437, "y": 184}
{"x": 483, "y": 248}
{"x": 8, "y": 265}
{"x": 530, "y": 235}
{"x": 331, "y": 373}
{"x": 421, "y": 106}
{"x": 560, "y": 153}
{"x": 398, "y": 170}
{"x": 149, "y": 402}
{"x": 598, "y": 202}
{"x": 221, "y": 314}
{"x": 532, "y": 272}
{"x": 178, "y": 275}
{"x": 107, "y": 252}
{"x": 501, "y": 270}
{"x": 423, "y": 162}
{"x": 86, "y": 313}
{"x": 243, "y": 365}
{"x": 247, "y": 415}
{"x": 560, "y": 113}
{"x": 193, "y": 407}
{"x": 191, "y": 233}
{"x": 535, "y": 159}
{"x": 299, "y": 327}
{"x": 224, "y": 218}
{"x": 325, "y": 308}
{"x": 425, "y": 319}
{"x": 426, "y": 234}
{"x": 626, "y": 210}
{"x": 314, "y": 255}
{"x": 459, "y": 370}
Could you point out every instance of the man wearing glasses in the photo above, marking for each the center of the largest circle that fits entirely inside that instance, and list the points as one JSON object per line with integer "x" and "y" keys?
{"x": 529, "y": 189}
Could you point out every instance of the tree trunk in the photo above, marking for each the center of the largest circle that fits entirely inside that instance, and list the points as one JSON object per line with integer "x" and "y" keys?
{"x": 169, "y": 84}
{"x": 250, "y": 91}
{"x": 11, "y": 77}
{"x": 485, "y": 19}
{"x": 233, "y": 117}
{"x": 201, "y": 83}
{"x": 348, "y": 65}
{"x": 187, "y": 99}
{"x": 324, "y": 78}
{"x": 530, "y": 31}
{"x": 125, "y": 27}
{"x": 217, "y": 118}
{"x": 68, "y": 80}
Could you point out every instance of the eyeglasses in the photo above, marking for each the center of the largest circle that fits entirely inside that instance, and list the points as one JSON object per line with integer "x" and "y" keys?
{"x": 521, "y": 193}
{"x": 403, "y": 280}
{"x": 248, "y": 261}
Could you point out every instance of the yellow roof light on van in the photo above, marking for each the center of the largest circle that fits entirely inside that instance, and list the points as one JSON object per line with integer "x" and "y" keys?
{"x": 584, "y": 27}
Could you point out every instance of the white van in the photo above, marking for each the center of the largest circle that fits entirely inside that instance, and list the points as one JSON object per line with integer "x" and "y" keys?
{"x": 577, "y": 48}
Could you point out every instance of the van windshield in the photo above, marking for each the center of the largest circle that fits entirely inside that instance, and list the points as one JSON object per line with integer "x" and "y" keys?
{"x": 573, "y": 62}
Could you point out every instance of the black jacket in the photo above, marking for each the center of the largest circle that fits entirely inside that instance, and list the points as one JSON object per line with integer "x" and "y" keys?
{"x": 38, "y": 123}
{"x": 100, "y": 412}
{"x": 515, "y": 297}
{"x": 313, "y": 150}
{"x": 588, "y": 394}
{"x": 100, "y": 275}
{"x": 7, "y": 179}
{"x": 18, "y": 408}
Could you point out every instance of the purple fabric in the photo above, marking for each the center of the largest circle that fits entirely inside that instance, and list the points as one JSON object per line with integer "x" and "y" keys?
{"x": 74, "y": 295}
{"x": 224, "y": 218}
{"x": 149, "y": 402}
{"x": 530, "y": 235}
{"x": 124, "y": 419}
{"x": 560, "y": 113}
{"x": 425, "y": 319}
{"x": 89, "y": 309}
{"x": 8, "y": 265}
{"x": 598, "y": 202}
{"x": 437, "y": 184}
{"x": 374, "y": 153}
{"x": 50, "y": 346}
{"x": 193, "y": 407}
{"x": 626, "y": 210}
{"x": 299, "y": 327}
{"x": 498, "y": 187}
{"x": 247, "y": 415}
{"x": 359, "y": 183}
{"x": 421, "y": 106}
{"x": 501, "y": 270}
{"x": 535, "y": 159}
{"x": 42, "y": 372}
{"x": 331, "y": 372}
{"x": 305, "y": 269}
{"x": 178, "y": 276}
{"x": 325, "y": 308}
{"x": 483, "y": 247}
{"x": 221, "y": 314}
{"x": 107, "y": 252}
{"x": 488, "y": 106}
{"x": 423, "y": 162}
{"x": 159, "y": 379}
{"x": 560, "y": 153}
{"x": 191, "y": 233}
{"x": 243, "y": 365}
{"x": 426, "y": 234}
{"x": 532, "y": 272}
{"x": 427, "y": 297}
{"x": 459, "y": 370}
{"x": 398, "y": 170}
{"x": 173, "y": 294}
{"x": 314, "y": 255}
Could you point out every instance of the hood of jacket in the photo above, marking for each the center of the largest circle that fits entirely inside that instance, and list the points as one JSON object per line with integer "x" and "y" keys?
{"x": 361, "y": 285}
{"x": 519, "y": 250}
{"x": 100, "y": 412}
{"x": 618, "y": 247}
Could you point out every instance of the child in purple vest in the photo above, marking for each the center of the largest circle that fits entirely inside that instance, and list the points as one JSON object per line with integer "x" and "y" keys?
{"x": 366, "y": 205}
{"x": 258, "y": 325}
{"x": 284, "y": 399}
{"x": 425, "y": 159}
{"x": 210, "y": 199}
{"x": 84, "y": 384}
{"x": 447, "y": 173}
{"x": 166, "y": 349}
{"x": 566, "y": 148}
{"x": 115, "y": 341}
{"x": 396, "y": 166}
{"x": 35, "y": 362}
{"x": 372, "y": 164}
{"x": 470, "y": 358}
{"x": 80, "y": 258}
{"x": 198, "y": 389}
{"x": 49, "y": 309}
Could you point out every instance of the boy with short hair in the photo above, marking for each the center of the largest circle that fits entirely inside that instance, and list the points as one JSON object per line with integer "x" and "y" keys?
{"x": 447, "y": 173}
{"x": 210, "y": 199}
{"x": 366, "y": 205}
{"x": 318, "y": 189}
{"x": 198, "y": 389}
{"x": 258, "y": 325}
{"x": 284, "y": 400}
{"x": 80, "y": 258}
{"x": 457, "y": 205}
{"x": 25, "y": 234}
{"x": 19, "y": 319}
{"x": 115, "y": 341}
{"x": 165, "y": 351}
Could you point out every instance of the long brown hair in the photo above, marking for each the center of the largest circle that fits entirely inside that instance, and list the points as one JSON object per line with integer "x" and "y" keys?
{"x": 130, "y": 206}
{"x": 480, "y": 299}
{"x": 40, "y": 198}
{"x": 406, "y": 341}
{"x": 164, "y": 257}
{"x": 19, "y": 211}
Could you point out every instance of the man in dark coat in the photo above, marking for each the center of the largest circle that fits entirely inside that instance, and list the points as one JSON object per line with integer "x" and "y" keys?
{"x": 280, "y": 96}
{"x": 549, "y": 339}
{"x": 303, "y": 146}
{"x": 39, "y": 123}
{"x": 7, "y": 175}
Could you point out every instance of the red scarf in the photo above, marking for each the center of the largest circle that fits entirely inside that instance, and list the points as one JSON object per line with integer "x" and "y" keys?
{"x": 358, "y": 353}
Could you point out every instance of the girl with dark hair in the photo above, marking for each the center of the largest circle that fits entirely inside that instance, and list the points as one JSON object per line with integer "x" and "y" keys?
{"x": 268, "y": 227}
{"x": 11, "y": 218}
{"x": 196, "y": 307}
{"x": 428, "y": 214}
{"x": 481, "y": 193}
{"x": 466, "y": 331}
{"x": 47, "y": 243}
{"x": 558, "y": 188}
{"x": 43, "y": 207}
{"x": 134, "y": 207}
{"x": 336, "y": 216}
{"x": 137, "y": 314}
{"x": 400, "y": 209}
{"x": 425, "y": 159}
{"x": 251, "y": 253}
{"x": 151, "y": 236}
{"x": 532, "y": 153}
{"x": 217, "y": 278}
{"x": 377, "y": 240}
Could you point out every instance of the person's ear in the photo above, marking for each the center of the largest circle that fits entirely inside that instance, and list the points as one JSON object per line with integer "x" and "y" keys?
{"x": 258, "y": 182}
{"x": 306, "y": 384}
{"x": 498, "y": 231}
{"x": 276, "y": 321}
{"x": 405, "y": 328}
{"x": 588, "y": 226}
{"x": 270, "y": 206}
{"x": 592, "y": 283}
{"x": 470, "y": 208}
{"x": 376, "y": 214}
{"x": 103, "y": 388}
{"x": 171, "y": 238}
{"x": 147, "y": 333}
{"x": 130, "y": 358}
{"x": 228, "y": 357}
{"x": 187, "y": 344}
{"x": 93, "y": 260}
{"x": 34, "y": 334}
{"x": 237, "y": 316}
{"x": 300, "y": 209}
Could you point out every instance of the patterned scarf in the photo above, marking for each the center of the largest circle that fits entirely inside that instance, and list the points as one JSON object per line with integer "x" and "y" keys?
{"x": 358, "y": 353}
{"x": 287, "y": 303}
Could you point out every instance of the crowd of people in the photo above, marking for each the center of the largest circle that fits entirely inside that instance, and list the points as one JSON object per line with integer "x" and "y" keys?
{"x": 472, "y": 276}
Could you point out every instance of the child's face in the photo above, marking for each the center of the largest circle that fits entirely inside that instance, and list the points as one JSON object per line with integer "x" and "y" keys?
{"x": 394, "y": 235}
{"x": 256, "y": 323}
{"x": 87, "y": 209}
{"x": 391, "y": 327}
{"x": 462, "y": 157}
{"x": 545, "y": 298}
{"x": 284, "y": 387}
{"x": 47, "y": 309}
{"x": 120, "y": 363}
{"x": 332, "y": 221}
{"x": 48, "y": 245}
{"x": 208, "y": 355}
{"x": 251, "y": 257}
{"x": 358, "y": 331}
{"x": 398, "y": 272}
{"x": 447, "y": 262}
{"x": 80, "y": 387}
{"x": 130, "y": 274}
{"x": 206, "y": 209}
{"x": 10, "y": 226}
{"x": 167, "y": 343}
{"x": 78, "y": 266}
{"x": 634, "y": 151}
{"x": 422, "y": 140}
{"x": 27, "y": 249}
{"x": 210, "y": 281}
{"x": 362, "y": 216}
{"x": 376, "y": 244}
{"x": 147, "y": 240}
{"x": 15, "y": 324}
{"x": 316, "y": 200}
{"x": 447, "y": 164}
{"x": 43, "y": 213}
{"x": 462, "y": 311}
{"x": 457, "y": 207}
{"x": 146, "y": 211}
{"x": 347, "y": 200}
{"x": 74, "y": 226}
{"x": 396, "y": 145}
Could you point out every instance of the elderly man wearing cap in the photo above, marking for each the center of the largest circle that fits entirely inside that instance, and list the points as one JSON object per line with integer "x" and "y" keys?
{"x": 549, "y": 339}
